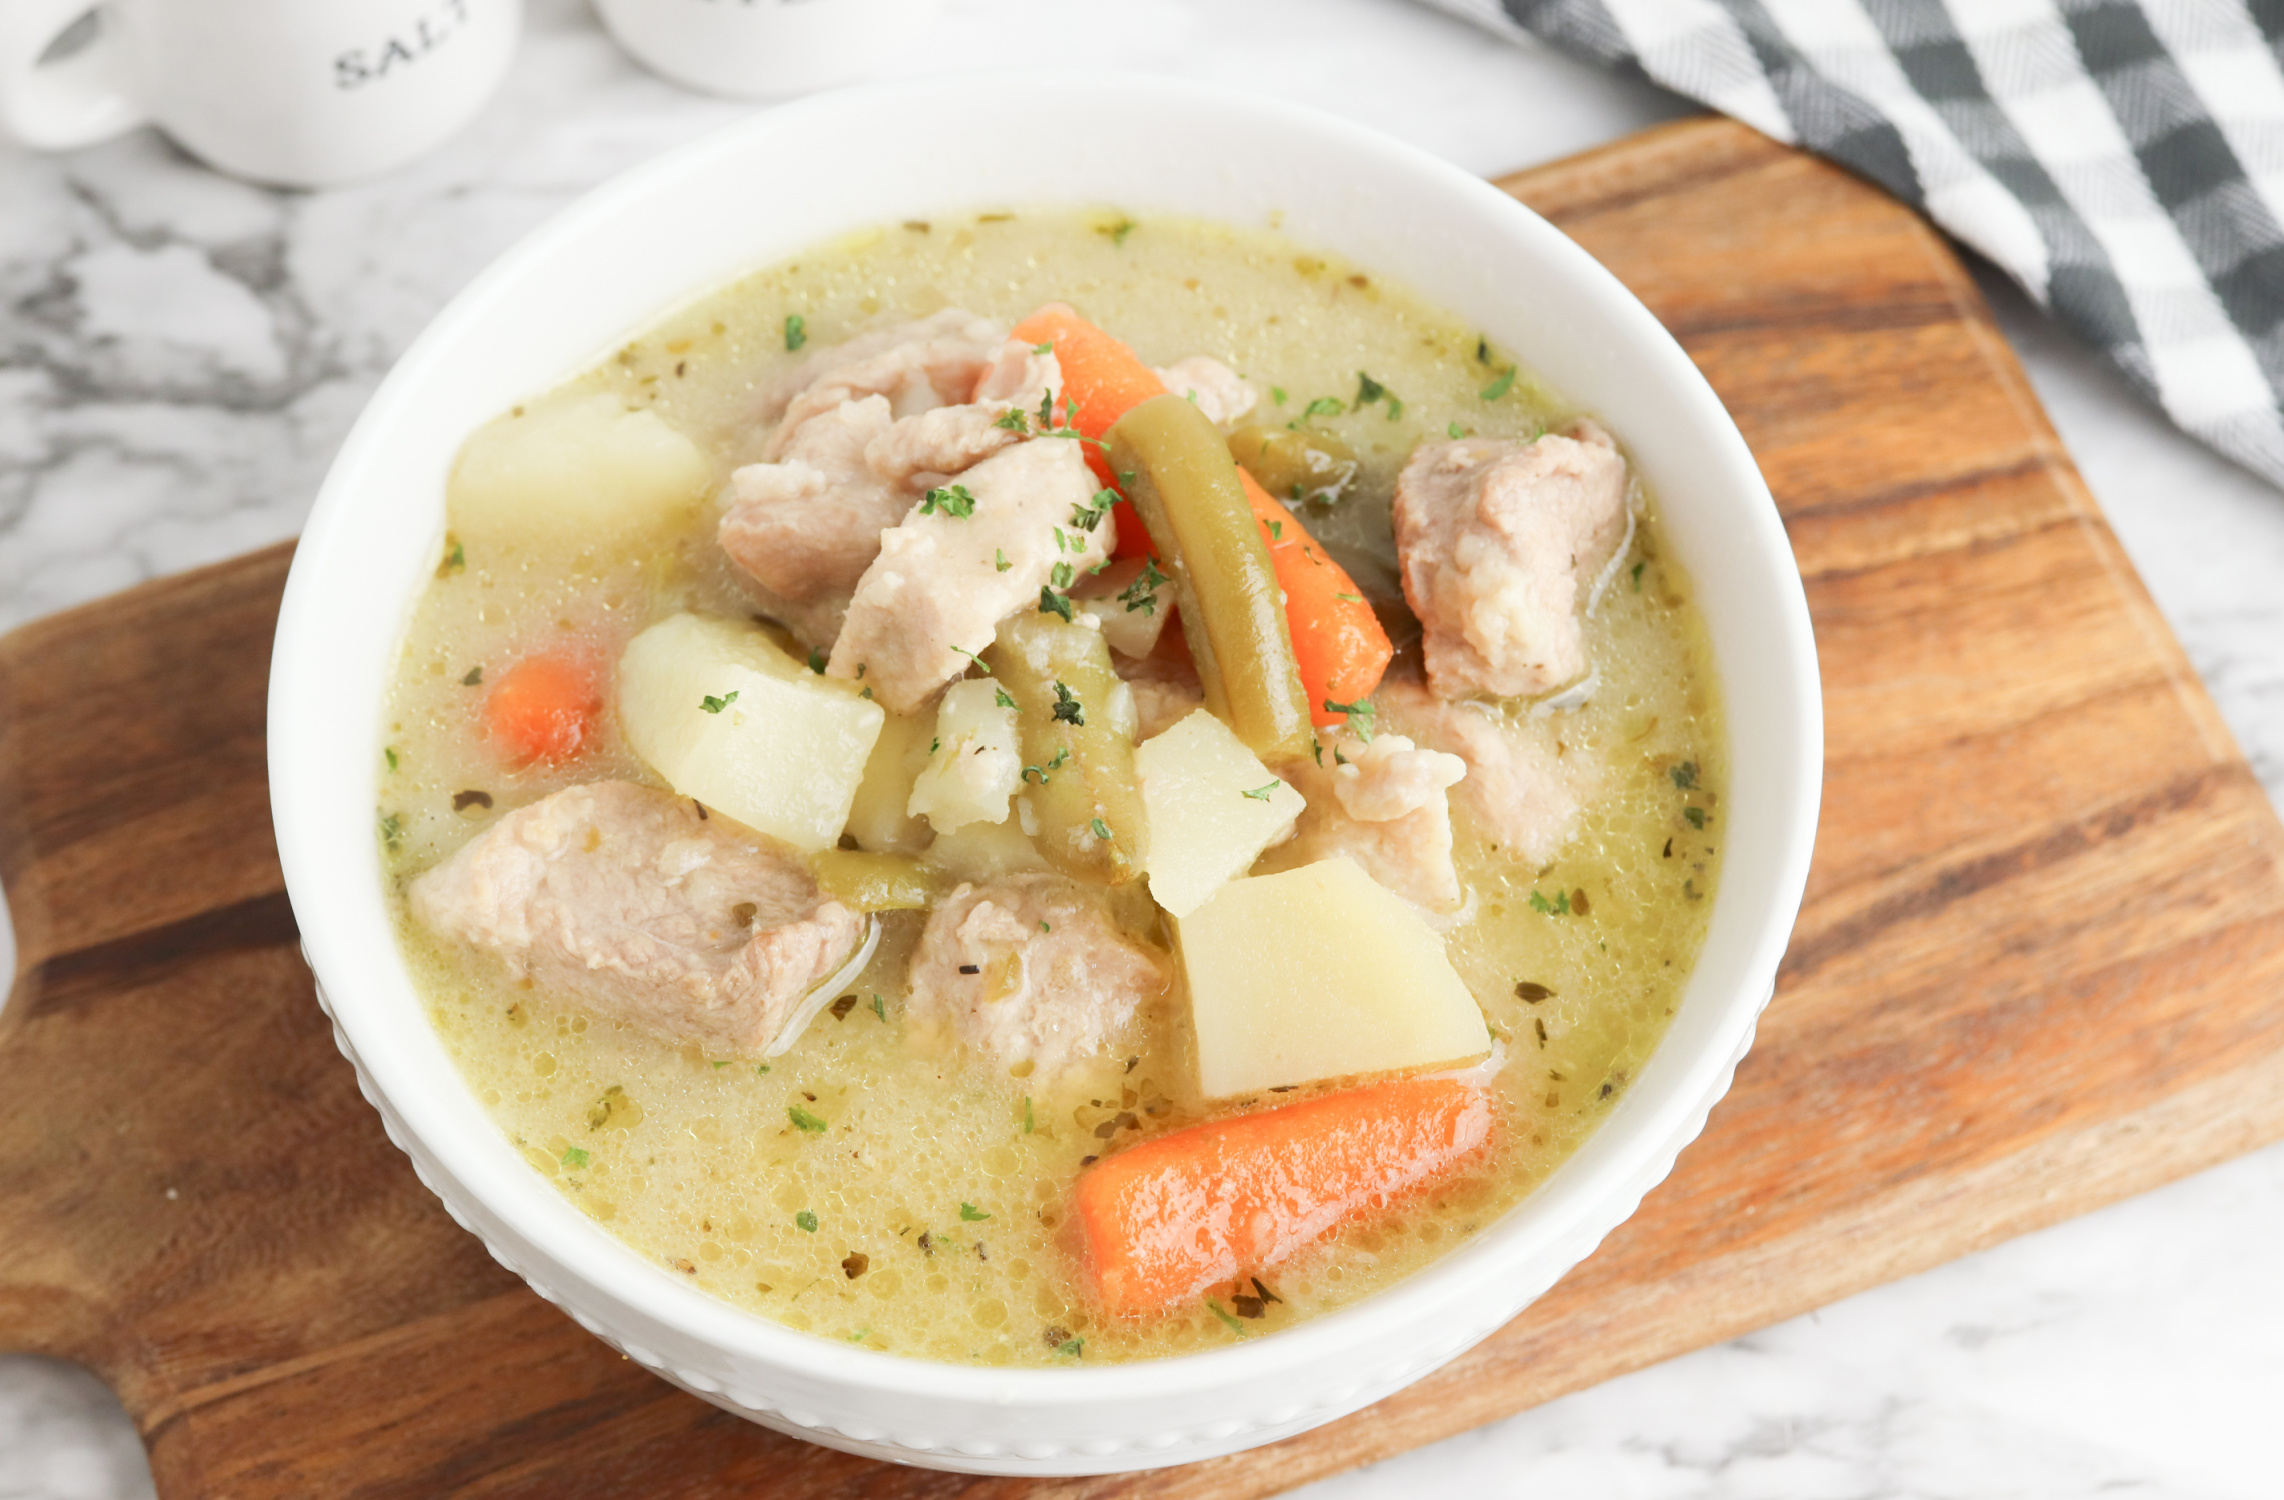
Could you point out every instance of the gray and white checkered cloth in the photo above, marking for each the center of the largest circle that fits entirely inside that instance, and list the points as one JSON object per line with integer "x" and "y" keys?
{"x": 2123, "y": 162}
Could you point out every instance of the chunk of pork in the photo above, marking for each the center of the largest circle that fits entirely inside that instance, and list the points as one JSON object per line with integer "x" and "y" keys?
{"x": 1030, "y": 967}
{"x": 944, "y": 580}
{"x": 806, "y": 526}
{"x": 915, "y": 367}
{"x": 623, "y": 898}
{"x": 935, "y": 445}
{"x": 1220, "y": 392}
{"x": 1384, "y": 804}
{"x": 1500, "y": 543}
{"x": 1526, "y": 796}
{"x": 1166, "y": 690}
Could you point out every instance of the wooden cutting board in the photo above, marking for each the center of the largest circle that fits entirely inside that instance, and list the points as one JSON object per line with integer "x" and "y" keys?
{"x": 2041, "y": 964}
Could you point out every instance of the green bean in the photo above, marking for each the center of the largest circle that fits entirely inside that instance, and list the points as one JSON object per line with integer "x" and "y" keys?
{"x": 1184, "y": 485}
{"x": 1075, "y": 720}
{"x": 1294, "y": 466}
{"x": 877, "y": 882}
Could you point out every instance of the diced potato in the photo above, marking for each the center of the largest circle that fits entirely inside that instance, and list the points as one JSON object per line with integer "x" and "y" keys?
{"x": 878, "y": 820}
{"x": 728, "y": 718}
{"x": 1213, "y": 807}
{"x": 574, "y": 472}
{"x": 1318, "y": 973}
{"x": 986, "y": 851}
{"x": 976, "y": 765}
{"x": 1132, "y": 617}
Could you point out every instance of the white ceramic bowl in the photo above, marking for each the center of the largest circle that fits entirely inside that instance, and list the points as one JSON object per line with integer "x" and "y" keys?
{"x": 763, "y": 190}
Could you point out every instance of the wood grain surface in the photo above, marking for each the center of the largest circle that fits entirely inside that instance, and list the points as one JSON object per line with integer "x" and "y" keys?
{"x": 2041, "y": 964}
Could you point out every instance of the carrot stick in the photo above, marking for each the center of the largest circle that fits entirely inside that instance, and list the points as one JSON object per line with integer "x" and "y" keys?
{"x": 543, "y": 708}
{"x": 1338, "y": 643}
{"x": 1167, "y": 1219}
{"x": 1103, "y": 379}
{"x": 1337, "y": 640}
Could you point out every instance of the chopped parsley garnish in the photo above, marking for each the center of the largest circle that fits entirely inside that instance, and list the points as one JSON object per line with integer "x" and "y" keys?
{"x": 1351, "y": 598}
{"x": 999, "y": 559}
{"x": 721, "y": 1063}
{"x": 454, "y": 561}
{"x": 1027, "y": 1114}
{"x": 935, "y": 744}
{"x": 1142, "y": 593}
{"x": 1099, "y": 828}
{"x": 952, "y": 500}
{"x": 1088, "y": 516}
{"x": 474, "y": 678}
{"x": 970, "y": 1214}
{"x": 817, "y": 660}
{"x": 806, "y": 1221}
{"x": 808, "y": 1122}
{"x": 1070, "y": 1348}
{"x": 1226, "y": 1320}
{"x": 1684, "y": 775}
{"x": 1482, "y": 351}
{"x": 574, "y": 1158}
{"x": 1360, "y": 717}
{"x": 1277, "y": 528}
{"x": 1558, "y": 907}
{"x": 1499, "y": 387}
{"x": 1453, "y": 431}
{"x": 981, "y": 664}
{"x": 1369, "y": 390}
{"x": 1052, "y": 603}
{"x": 392, "y": 829}
{"x": 1261, "y": 794}
{"x": 1638, "y": 576}
{"x": 999, "y": 696}
{"x": 1117, "y": 233}
{"x": 796, "y": 331}
{"x": 1277, "y": 394}
{"x": 1046, "y": 348}
{"x": 879, "y": 1008}
{"x": 1695, "y": 815}
{"x": 1068, "y": 709}
{"x": 1323, "y": 406}
{"x": 714, "y": 705}
{"x": 1016, "y": 420}
{"x": 391, "y": 753}
{"x": 1062, "y": 575}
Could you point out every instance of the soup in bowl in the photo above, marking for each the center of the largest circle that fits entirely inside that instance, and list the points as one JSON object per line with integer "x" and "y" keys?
{"x": 1045, "y": 813}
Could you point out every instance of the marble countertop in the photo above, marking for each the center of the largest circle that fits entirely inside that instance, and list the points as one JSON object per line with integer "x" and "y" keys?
{"x": 180, "y": 354}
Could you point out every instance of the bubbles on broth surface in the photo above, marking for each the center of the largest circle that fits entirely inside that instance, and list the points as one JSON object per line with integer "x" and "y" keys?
{"x": 869, "y": 1187}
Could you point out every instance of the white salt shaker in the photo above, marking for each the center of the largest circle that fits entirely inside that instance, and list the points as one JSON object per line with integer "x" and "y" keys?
{"x": 299, "y": 93}
{"x": 759, "y": 49}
